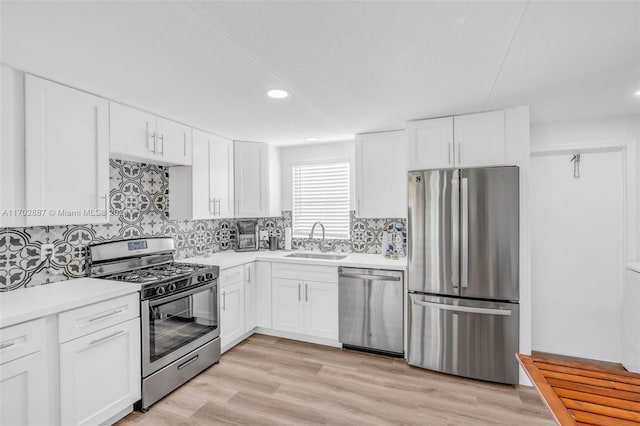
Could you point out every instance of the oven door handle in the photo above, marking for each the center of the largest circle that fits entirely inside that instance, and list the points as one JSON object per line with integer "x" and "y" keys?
{"x": 180, "y": 295}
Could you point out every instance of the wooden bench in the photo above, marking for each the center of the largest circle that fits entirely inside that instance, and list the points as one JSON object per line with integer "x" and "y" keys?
{"x": 580, "y": 394}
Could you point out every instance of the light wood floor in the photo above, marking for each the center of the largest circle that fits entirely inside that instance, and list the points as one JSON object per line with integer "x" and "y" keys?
{"x": 267, "y": 380}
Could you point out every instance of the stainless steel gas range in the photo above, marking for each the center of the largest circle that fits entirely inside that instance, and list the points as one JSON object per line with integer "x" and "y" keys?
{"x": 180, "y": 319}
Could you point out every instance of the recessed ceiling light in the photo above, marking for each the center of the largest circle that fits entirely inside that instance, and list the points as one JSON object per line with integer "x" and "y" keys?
{"x": 277, "y": 93}
{"x": 637, "y": 93}
{"x": 311, "y": 139}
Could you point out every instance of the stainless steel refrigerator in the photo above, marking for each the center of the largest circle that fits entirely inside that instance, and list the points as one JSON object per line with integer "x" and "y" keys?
{"x": 463, "y": 276}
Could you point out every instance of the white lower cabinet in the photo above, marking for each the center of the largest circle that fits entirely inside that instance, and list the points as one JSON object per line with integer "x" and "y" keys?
{"x": 24, "y": 391}
{"x": 100, "y": 374}
{"x": 305, "y": 307}
{"x": 250, "y": 279}
{"x": 263, "y": 294}
{"x": 231, "y": 313}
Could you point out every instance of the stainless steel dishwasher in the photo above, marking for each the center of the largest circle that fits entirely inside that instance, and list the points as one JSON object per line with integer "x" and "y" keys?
{"x": 371, "y": 310}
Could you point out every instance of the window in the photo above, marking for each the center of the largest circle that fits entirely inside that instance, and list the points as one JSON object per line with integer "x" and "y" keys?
{"x": 321, "y": 194}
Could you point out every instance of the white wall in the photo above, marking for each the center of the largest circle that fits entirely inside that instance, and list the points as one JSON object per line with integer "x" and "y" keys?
{"x": 289, "y": 156}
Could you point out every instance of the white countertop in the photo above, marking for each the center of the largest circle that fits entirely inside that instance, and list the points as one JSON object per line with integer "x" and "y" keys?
{"x": 634, "y": 267}
{"x": 229, "y": 259}
{"x": 34, "y": 302}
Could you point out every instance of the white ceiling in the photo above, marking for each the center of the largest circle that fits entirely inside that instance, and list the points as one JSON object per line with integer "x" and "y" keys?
{"x": 351, "y": 66}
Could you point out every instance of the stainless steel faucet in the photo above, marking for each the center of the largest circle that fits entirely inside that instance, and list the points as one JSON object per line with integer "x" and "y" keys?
{"x": 313, "y": 228}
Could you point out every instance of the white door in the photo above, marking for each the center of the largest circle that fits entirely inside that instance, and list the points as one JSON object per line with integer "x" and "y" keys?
{"x": 232, "y": 313}
{"x": 100, "y": 374}
{"x": 174, "y": 142}
{"x": 263, "y": 294}
{"x": 251, "y": 179}
{"x": 479, "y": 139}
{"x": 288, "y": 307}
{"x": 221, "y": 161}
{"x": 321, "y": 309}
{"x": 250, "y": 293}
{"x": 430, "y": 143}
{"x": 24, "y": 396}
{"x": 381, "y": 174}
{"x": 66, "y": 154}
{"x": 577, "y": 255}
{"x": 201, "y": 173}
{"x": 132, "y": 133}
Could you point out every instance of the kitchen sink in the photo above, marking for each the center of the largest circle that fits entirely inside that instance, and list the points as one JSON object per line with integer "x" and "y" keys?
{"x": 324, "y": 256}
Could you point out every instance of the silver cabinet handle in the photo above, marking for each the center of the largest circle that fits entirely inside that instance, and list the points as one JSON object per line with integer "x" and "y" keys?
{"x": 249, "y": 272}
{"x": 161, "y": 137}
{"x": 6, "y": 345}
{"x": 224, "y": 300}
{"x": 93, "y": 342}
{"x": 298, "y": 292}
{"x": 185, "y": 144}
{"x": 306, "y": 292}
{"x": 219, "y": 207}
{"x": 190, "y": 361}
{"x": 470, "y": 309}
{"x": 455, "y": 229}
{"x": 212, "y": 203}
{"x": 449, "y": 151}
{"x": 370, "y": 277}
{"x": 459, "y": 153}
{"x": 108, "y": 314}
{"x": 151, "y": 135}
{"x": 464, "y": 231}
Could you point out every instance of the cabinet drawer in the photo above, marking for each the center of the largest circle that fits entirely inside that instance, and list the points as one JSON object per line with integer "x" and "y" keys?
{"x": 305, "y": 272}
{"x": 88, "y": 319}
{"x": 22, "y": 339}
{"x": 231, "y": 276}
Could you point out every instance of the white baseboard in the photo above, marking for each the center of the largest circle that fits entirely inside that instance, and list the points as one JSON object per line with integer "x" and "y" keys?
{"x": 300, "y": 337}
{"x": 234, "y": 342}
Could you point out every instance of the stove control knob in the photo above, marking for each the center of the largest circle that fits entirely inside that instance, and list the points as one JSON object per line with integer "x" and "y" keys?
{"x": 209, "y": 276}
{"x": 201, "y": 278}
{"x": 172, "y": 287}
{"x": 160, "y": 291}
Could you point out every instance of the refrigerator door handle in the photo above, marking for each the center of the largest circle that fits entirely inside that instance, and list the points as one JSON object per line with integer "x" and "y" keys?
{"x": 464, "y": 231}
{"x": 470, "y": 309}
{"x": 455, "y": 229}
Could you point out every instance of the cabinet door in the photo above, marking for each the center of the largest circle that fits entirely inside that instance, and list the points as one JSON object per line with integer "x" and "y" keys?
{"x": 251, "y": 179}
{"x": 321, "y": 309}
{"x": 174, "y": 142}
{"x": 430, "y": 143}
{"x": 66, "y": 154}
{"x": 263, "y": 294}
{"x": 24, "y": 391}
{"x": 100, "y": 374}
{"x": 250, "y": 293}
{"x": 132, "y": 133}
{"x": 287, "y": 307}
{"x": 221, "y": 163}
{"x": 381, "y": 174}
{"x": 480, "y": 139}
{"x": 232, "y": 313}
{"x": 201, "y": 173}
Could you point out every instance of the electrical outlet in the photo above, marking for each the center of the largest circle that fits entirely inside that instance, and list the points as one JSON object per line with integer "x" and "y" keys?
{"x": 264, "y": 235}
{"x": 46, "y": 250}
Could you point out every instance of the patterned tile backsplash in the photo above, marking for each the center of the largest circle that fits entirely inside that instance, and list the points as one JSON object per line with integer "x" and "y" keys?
{"x": 139, "y": 200}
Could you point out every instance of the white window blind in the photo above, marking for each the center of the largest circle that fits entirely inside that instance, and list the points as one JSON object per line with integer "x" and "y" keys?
{"x": 321, "y": 194}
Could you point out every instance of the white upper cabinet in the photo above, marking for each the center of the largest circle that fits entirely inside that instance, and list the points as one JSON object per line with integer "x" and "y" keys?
{"x": 66, "y": 154}
{"x": 381, "y": 174}
{"x": 430, "y": 143}
{"x": 251, "y": 181}
{"x": 174, "y": 141}
{"x": 221, "y": 172}
{"x": 139, "y": 136}
{"x": 203, "y": 190}
{"x": 480, "y": 139}
{"x": 473, "y": 140}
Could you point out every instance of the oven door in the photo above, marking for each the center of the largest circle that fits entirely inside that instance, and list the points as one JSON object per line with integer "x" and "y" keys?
{"x": 175, "y": 325}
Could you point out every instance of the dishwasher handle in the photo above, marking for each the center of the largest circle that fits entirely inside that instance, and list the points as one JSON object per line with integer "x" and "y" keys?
{"x": 371, "y": 277}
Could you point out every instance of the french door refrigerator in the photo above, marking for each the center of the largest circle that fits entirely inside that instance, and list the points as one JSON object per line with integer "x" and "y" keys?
{"x": 463, "y": 276}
